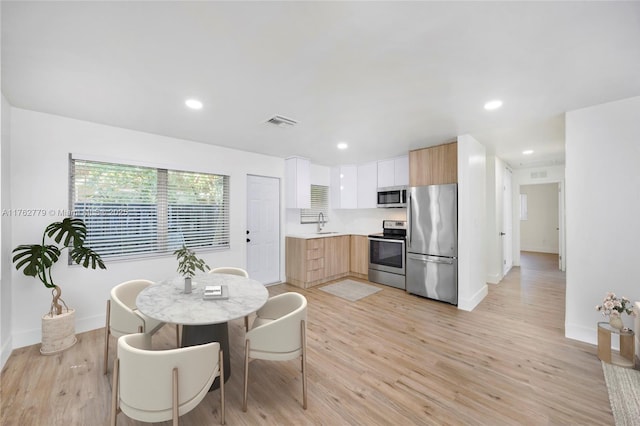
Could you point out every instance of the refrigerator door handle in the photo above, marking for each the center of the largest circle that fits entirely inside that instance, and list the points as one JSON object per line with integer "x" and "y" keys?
{"x": 409, "y": 221}
{"x": 432, "y": 259}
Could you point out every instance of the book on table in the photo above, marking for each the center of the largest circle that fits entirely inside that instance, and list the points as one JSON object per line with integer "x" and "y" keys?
{"x": 215, "y": 292}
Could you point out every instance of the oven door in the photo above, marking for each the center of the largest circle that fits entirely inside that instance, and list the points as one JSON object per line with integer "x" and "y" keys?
{"x": 387, "y": 255}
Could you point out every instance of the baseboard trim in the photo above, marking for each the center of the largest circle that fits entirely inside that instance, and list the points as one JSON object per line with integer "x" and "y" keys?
{"x": 471, "y": 303}
{"x": 494, "y": 278}
{"x": 27, "y": 338}
{"x": 540, "y": 250}
{"x": 581, "y": 333}
{"x": 34, "y": 336}
{"x": 5, "y": 352}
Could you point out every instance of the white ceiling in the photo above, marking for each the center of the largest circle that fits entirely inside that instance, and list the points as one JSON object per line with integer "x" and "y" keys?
{"x": 384, "y": 77}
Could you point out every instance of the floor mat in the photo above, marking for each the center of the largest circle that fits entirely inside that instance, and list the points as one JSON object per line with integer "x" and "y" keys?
{"x": 350, "y": 290}
{"x": 623, "y": 385}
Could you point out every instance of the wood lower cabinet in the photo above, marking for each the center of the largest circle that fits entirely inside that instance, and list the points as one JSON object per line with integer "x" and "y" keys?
{"x": 359, "y": 259}
{"x": 315, "y": 261}
{"x": 436, "y": 165}
{"x": 336, "y": 257}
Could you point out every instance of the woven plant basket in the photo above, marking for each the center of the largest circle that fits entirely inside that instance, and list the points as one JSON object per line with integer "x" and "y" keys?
{"x": 58, "y": 332}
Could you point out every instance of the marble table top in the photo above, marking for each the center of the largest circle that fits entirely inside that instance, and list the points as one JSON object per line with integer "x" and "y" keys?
{"x": 167, "y": 302}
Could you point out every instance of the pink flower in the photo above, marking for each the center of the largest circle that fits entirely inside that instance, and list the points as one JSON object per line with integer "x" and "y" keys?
{"x": 614, "y": 306}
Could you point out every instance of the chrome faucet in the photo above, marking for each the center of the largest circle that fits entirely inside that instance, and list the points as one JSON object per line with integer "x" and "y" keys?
{"x": 321, "y": 221}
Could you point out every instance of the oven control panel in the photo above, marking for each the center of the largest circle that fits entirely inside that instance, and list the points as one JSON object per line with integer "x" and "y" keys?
{"x": 394, "y": 224}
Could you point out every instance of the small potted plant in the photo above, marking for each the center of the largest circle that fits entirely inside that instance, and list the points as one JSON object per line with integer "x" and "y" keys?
{"x": 614, "y": 307}
{"x": 37, "y": 260}
{"x": 188, "y": 263}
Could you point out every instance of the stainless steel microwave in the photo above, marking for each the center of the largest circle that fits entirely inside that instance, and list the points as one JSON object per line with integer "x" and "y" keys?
{"x": 392, "y": 196}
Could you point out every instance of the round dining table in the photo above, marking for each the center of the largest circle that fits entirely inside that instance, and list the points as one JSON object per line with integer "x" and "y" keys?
{"x": 203, "y": 320}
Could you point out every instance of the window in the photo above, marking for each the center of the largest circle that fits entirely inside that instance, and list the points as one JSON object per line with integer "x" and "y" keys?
{"x": 134, "y": 211}
{"x": 319, "y": 204}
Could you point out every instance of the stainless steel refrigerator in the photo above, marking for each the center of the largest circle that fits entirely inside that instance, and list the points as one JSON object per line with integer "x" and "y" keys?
{"x": 432, "y": 242}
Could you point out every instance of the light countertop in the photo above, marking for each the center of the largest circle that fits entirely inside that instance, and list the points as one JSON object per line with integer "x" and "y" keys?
{"x": 310, "y": 235}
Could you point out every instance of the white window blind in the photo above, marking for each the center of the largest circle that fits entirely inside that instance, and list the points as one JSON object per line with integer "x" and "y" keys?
{"x": 135, "y": 211}
{"x": 319, "y": 203}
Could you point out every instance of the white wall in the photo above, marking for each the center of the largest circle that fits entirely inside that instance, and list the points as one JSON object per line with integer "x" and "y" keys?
{"x": 534, "y": 176}
{"x": 5, "y": 234}
{"x": 602, "y": 211}
{"x": 40, "y": 145}
{"x": 539, "y": 232}
{"x": 472, "y": 286}
{"x": 366, "y": 221}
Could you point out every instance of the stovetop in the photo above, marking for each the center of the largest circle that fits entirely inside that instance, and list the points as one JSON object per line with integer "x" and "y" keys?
{"x": 392, "y": 230}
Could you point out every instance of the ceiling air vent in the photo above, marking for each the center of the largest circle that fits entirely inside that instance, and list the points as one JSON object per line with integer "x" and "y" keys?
{"x": 281, "y": 121}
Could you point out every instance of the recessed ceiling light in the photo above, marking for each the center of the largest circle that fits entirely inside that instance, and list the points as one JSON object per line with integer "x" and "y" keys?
{"x": 491, "y": 105}
{"x": 343, "y": 145}
{"x": 528, "y": 152}
{"x": 193, "y": 103}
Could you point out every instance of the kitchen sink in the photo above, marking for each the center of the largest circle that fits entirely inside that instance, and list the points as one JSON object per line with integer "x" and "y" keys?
{"x": 326, "y": 232}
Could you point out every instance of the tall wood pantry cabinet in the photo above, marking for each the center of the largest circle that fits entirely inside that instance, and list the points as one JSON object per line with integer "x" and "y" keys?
{"x": 435, "y": 165}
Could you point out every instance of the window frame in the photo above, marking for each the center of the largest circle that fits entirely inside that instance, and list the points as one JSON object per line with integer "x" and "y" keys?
{"x": 162, "y": 245}
{"x": 310, "y": 215}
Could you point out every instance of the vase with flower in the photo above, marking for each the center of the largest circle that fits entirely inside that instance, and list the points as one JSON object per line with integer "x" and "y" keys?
{"x": 613, "y": 307}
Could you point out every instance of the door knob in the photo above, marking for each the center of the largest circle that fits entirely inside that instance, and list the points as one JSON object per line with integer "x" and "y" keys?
{"x": 502, "y": 233}
{"x": 248, "y": 240}
{"x": 247, "y": 232}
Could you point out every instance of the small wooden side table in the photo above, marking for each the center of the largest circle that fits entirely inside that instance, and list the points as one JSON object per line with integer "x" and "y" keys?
{"x": 624, "y": 358}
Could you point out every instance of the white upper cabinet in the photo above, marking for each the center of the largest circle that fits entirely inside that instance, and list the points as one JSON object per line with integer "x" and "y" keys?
{"x": 401, "y": 170}
{"x": 298, "y": 183}
{"x": 393, "y": 172}
{"x": 367, "y": 186}
{"x": 386, "y": 173}
{"x": 344, "y": 187}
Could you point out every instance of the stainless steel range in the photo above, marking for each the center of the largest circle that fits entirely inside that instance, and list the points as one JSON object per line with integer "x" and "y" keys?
{"x": 387, "y": 254}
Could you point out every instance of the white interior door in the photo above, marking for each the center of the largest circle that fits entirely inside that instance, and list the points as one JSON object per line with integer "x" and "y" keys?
{"x": 561, "y": 257}
{"x": 263, "y": 228}
{"x": 507, "y": 223}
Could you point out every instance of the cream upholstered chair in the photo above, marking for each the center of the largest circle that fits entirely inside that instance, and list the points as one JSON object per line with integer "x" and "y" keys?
{"x": 124, "y": 318}
{"x": 230, "y": 270}
{"x": 233, "y": 271}
{"x": 278, "y": 334}
{"x": 154, "y": 386}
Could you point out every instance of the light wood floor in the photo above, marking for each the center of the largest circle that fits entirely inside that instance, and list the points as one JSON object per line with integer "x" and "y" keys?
{"x": 390, "y": 358}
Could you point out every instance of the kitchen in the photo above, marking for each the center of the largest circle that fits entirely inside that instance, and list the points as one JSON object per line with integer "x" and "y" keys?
{"x": 385, "y": 198}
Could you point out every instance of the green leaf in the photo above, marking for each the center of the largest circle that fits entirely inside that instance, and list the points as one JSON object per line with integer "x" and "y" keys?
{"x": 87, "y": 257}
{"x": 73, "y": 230}
{"x": 188, "y": 262}
{"x": 36, "y": 259}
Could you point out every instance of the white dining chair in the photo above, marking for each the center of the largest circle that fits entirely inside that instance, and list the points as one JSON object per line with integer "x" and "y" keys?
{"x": 155, "y": 386}
{"x": 231, "y": 270}
{"x": 278, "y": 334}
{"x": 124, "y": 318}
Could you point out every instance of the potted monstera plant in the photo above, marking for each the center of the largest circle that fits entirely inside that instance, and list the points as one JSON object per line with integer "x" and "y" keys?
{"x": 37, "y": 260}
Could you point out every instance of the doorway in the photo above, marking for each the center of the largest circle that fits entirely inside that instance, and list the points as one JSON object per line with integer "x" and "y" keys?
{"x": 540, "y": 219}
{"x": 263, "y": 228}
{"x": 507, "y": 221}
